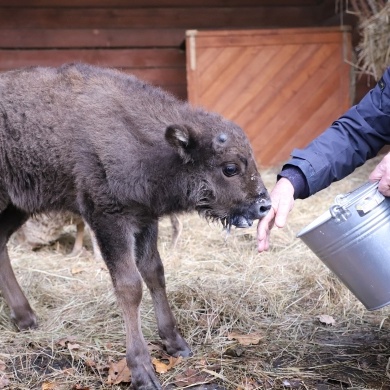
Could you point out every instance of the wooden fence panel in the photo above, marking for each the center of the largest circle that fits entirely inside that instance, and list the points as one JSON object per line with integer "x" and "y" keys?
{"x": 284, "y": 87}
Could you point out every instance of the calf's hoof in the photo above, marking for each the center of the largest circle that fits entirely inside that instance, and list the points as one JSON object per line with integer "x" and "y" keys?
{"x": 177, "y": 347}
{"x": 144, "y": 378}
{"x": 184, "y": 352}
{"x": 25, "y": 321}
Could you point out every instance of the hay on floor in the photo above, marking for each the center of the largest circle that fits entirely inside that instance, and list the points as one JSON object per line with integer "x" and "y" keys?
{"x": 219, "y": 288}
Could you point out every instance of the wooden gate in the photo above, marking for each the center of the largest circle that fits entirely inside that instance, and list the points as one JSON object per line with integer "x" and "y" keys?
{"x": 284, "y": 87}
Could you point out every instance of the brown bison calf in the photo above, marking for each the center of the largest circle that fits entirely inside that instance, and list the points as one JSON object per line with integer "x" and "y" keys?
{"x": 121, "y": 154}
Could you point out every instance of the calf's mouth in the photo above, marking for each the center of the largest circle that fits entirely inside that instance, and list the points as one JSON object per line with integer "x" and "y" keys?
{"x": 243, "y": 218}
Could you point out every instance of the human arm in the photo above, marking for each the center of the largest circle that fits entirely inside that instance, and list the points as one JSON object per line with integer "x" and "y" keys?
{"x": 355, "y": 137}
{"x": 351, "y": 140}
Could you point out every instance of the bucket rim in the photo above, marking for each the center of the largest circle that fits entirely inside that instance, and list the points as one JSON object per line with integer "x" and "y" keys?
{"x": 344, "y": 200}
{"x": 322, "y": 219}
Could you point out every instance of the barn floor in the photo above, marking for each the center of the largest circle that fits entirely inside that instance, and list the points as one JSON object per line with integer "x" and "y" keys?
{"x": 252, "y": 319}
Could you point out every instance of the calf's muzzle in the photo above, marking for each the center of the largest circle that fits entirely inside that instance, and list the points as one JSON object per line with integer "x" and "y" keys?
{"x": 256, "y": 210}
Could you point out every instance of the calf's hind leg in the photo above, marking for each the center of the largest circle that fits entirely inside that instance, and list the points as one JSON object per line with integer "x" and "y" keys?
{"x": 10, "y": 220}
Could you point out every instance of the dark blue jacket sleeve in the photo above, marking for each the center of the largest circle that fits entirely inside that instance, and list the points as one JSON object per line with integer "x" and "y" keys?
{"x": 354, "y": 138}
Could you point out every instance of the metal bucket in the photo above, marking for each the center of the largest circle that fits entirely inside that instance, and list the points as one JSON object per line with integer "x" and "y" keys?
{"x": 353, "y": 239}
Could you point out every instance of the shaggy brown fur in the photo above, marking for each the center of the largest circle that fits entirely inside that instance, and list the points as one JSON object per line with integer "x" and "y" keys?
{"x": 121, "y": 154}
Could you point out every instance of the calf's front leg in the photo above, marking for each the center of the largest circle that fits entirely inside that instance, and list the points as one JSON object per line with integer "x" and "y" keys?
{"x": 117, "y": 243}
{"x": 152, "y": 270}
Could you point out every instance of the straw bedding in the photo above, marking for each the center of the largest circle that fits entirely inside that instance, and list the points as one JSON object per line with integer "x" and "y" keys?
{"x": 252, "y": 319}
{"x": 373, "y": 50}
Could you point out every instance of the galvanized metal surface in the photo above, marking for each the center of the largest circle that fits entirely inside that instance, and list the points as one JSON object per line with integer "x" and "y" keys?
{"x": 353, "y": 240}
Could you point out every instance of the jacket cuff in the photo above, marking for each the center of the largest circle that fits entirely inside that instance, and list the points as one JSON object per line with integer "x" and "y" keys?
{"x": 297, "y": 179}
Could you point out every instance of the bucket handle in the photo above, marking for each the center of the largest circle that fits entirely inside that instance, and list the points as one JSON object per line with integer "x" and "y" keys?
{"x": 340, "y": 210}
{"x": 369, "y": 203}
{"x": 339, "y": 213}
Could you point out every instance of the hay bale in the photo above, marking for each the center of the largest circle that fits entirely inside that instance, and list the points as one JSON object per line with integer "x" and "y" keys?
{"x": 374, "y": 25}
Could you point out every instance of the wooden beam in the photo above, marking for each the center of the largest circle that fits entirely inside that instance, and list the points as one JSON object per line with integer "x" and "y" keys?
{"x": 264, "y": 37}
{"x": 93, "y": 38}
{"x": 155, "y": 3}
{"x": 188, "y": 18}
{"x": 127, "y": 58}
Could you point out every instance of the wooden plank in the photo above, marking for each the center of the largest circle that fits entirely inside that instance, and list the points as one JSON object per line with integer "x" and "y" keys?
{"x": 267, "y": 31}
{"x": 206, "y": 59}
{"x": 254, "y": 79}
{"x": 278, "y": 92}
{"x": 231, "y": 77}
{"x": 363, "y": 85}
{"x": 96, "y": 38}
{"x": 317, "y": 122}
{"x": 155, "y": 76}
{"x": 270, "y": 40}
{"x": 189, "y": 18}
{"x": 294, "y": 115}
{"x": 163, "y": 78}
{"x": 159, "y": 76}
{"x": 180, "y": 90}
{"x": 171, "y": 80}
{"x": 260, "y": 93}
{"x": 212, "y": 72}
{"x": 267, "y": 37}
{"x": 314, "y": 124}
{"x": 307, "y": 128}
{"x": 135, "y": 58}
{"x": 299, "y": 89}
{"x": 155, "y": 3}
{"x": 192, "y": 71}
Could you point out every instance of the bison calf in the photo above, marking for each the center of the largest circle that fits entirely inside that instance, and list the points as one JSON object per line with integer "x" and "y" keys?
{"x": 121, "y": 154}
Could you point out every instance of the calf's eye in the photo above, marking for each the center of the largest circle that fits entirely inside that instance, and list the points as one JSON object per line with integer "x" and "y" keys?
{"x": 230, "y": 170}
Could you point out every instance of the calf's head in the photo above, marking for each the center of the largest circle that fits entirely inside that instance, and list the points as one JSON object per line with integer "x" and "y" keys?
{"x": 219, "y": 159}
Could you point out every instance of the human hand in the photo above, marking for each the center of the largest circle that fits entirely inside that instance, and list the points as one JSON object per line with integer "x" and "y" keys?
{"x": 282, "y": 197}
{"x": 381, "y": 173}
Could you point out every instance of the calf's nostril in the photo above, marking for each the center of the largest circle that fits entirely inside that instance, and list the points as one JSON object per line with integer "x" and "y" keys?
{"x": 264, "y": 208}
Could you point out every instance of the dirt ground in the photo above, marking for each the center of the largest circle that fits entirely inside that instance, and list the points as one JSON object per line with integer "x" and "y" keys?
{"x": 253, "y": 320}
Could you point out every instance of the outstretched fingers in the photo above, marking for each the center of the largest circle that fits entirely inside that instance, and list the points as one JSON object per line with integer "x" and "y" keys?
{"x": 264, "y": 230}
{"x": 282, "y": 197}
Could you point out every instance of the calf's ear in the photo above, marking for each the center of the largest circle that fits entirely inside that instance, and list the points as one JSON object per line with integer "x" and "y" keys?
{"x": 183, "y": 139}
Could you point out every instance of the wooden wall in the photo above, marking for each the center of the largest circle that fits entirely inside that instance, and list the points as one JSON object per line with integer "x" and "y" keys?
{"x": 144, "y": 37}
{"x": 283, "y": 86}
